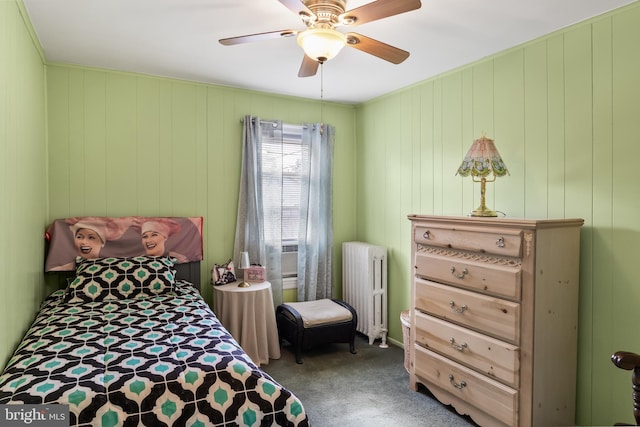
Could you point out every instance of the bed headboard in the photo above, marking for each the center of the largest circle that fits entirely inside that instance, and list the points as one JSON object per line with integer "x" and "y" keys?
{"x": 100, "y": 237}
{"x": 190, "y": 272}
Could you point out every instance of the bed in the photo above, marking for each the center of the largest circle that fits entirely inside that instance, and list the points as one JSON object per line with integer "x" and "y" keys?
{"x": 131, "y": 342}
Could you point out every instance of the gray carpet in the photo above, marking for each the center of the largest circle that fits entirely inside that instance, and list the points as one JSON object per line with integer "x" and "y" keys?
{"x": 370, "y": 388}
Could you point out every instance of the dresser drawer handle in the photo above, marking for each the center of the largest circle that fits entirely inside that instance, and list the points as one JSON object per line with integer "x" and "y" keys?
{"x": 500, "y": 242}
{"x": 460, "y": 347}
{"x": 426, "y": 235}
{"x": 461, "y": 310}
{"x": 460, "y": 275}
{"x": 459, "y": 385}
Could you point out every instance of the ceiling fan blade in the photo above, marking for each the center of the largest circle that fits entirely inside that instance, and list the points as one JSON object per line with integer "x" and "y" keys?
{"x": 299, "y": 8}
{"x": 308, "y": 68}
{"x": 376, "y": 48}
{"x": 377, "y": 10}
{"x": 257, "y": 37}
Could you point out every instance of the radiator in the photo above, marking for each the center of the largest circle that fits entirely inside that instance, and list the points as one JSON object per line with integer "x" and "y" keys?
{"x": 364, "y": 287}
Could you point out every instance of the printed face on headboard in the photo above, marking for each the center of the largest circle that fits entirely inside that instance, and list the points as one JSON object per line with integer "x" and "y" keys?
{"x": 99, "y": 237}
{"x": 88, "y": 243}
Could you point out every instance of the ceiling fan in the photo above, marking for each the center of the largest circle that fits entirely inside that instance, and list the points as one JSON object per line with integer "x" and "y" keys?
{"x": 321, "y": 41}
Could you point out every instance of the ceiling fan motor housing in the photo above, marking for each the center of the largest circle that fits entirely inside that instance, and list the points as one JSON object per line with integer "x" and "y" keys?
{"x": 327, "y": 12}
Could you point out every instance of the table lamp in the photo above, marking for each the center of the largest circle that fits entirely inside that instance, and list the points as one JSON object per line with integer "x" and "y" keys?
{"x": 243, "y": 265}
{"x": 483, "y": 160}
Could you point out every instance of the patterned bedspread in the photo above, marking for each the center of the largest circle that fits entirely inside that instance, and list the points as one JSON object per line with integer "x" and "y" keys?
{"x": 160, "y": 361}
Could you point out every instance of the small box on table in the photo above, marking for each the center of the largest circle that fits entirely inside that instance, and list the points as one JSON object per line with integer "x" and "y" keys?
{"x": 255, "y": 273}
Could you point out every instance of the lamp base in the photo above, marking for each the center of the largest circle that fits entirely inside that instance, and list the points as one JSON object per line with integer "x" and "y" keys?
{"x": 243, "y": 284}
{"x": 483, "y": 211}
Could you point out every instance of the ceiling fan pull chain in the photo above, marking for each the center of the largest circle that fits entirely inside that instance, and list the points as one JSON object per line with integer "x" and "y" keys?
{"x": 321, "y": 97}
{"x": 321, "y": 82}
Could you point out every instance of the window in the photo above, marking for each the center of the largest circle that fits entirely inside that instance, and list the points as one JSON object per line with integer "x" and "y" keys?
{"x": 283, "y": 161}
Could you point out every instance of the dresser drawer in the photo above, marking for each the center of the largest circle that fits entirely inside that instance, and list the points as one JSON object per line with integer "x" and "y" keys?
{"x": 504, "y": 242}
{"x": 490, "y": 356}
{"x": 494, "y": 398}
{"x": 493, "y": 316}
{"x": 498, "y": 279}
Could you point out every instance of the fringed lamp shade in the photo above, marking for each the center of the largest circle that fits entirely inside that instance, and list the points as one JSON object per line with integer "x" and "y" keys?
{"x": 483, "y": 160}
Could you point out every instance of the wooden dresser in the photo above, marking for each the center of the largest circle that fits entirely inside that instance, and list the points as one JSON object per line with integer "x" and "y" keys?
{"x": 494, "y": 317}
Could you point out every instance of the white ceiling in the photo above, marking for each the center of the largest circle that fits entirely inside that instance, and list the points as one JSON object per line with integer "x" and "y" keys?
{"x": 179, "y": 39}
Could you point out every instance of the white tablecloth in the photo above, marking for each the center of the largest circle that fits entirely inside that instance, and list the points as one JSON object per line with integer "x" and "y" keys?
{"x": 249, "y": 316}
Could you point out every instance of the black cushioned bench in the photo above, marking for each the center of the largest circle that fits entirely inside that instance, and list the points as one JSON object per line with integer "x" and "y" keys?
{"x": 313, "y": 323}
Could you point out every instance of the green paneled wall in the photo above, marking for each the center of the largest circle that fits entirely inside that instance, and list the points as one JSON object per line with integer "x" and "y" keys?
{"x": 23, "y": 164}
{"x": 563, "y": 111}
{"x": 125, "y": 144}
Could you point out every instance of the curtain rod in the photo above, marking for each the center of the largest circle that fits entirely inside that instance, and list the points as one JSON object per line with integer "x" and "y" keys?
{"x": 270, "y": 122}
{"x": 262, "y": 122}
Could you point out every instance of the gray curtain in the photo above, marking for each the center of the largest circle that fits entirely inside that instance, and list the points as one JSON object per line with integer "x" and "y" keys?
{"x": 261, "y": 239}
{"x": 315, "y": 240}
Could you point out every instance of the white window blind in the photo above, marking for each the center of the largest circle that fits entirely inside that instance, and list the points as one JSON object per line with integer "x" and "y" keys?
{"x": 282, "y": 161}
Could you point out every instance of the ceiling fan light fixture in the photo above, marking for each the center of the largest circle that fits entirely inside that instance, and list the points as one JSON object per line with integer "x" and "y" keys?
{"x": 321, "y": 44}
